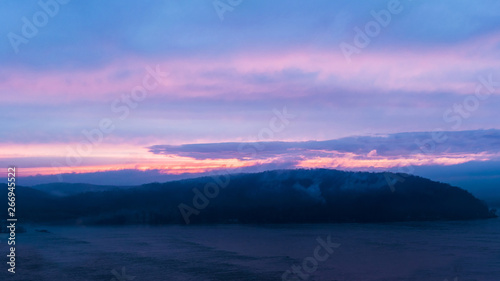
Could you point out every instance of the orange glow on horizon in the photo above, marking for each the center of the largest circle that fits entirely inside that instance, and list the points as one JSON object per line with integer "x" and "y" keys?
{"x": 175, "y": 165}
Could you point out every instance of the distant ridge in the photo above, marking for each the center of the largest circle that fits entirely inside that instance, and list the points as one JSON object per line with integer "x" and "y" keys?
{"x": 68, "y": 189}
{"x": 279, "y": 196}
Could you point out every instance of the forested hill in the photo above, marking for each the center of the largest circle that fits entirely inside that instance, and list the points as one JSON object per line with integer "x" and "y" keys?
{"x": 282, "y": 196}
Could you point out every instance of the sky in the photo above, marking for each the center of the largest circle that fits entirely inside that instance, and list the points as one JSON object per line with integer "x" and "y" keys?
{"x": 131, "y": 91}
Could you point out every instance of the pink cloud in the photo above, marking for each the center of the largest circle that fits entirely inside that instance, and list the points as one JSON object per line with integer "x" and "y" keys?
{"x": 437, "y": 70}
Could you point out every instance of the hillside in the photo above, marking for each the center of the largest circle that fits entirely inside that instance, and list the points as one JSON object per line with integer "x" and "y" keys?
{"x": 282, "y": 196}
{"x": 68, "y": 189}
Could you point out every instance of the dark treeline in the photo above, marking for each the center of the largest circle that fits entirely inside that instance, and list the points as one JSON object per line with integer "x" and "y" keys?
{"x": 288, "y": 196}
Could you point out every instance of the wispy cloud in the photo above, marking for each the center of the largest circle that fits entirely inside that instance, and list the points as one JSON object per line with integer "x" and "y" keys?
{"x": 399, "y": 145}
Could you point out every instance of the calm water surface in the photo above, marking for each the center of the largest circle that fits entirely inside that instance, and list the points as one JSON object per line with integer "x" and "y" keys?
{"x": 397, "y": 251}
